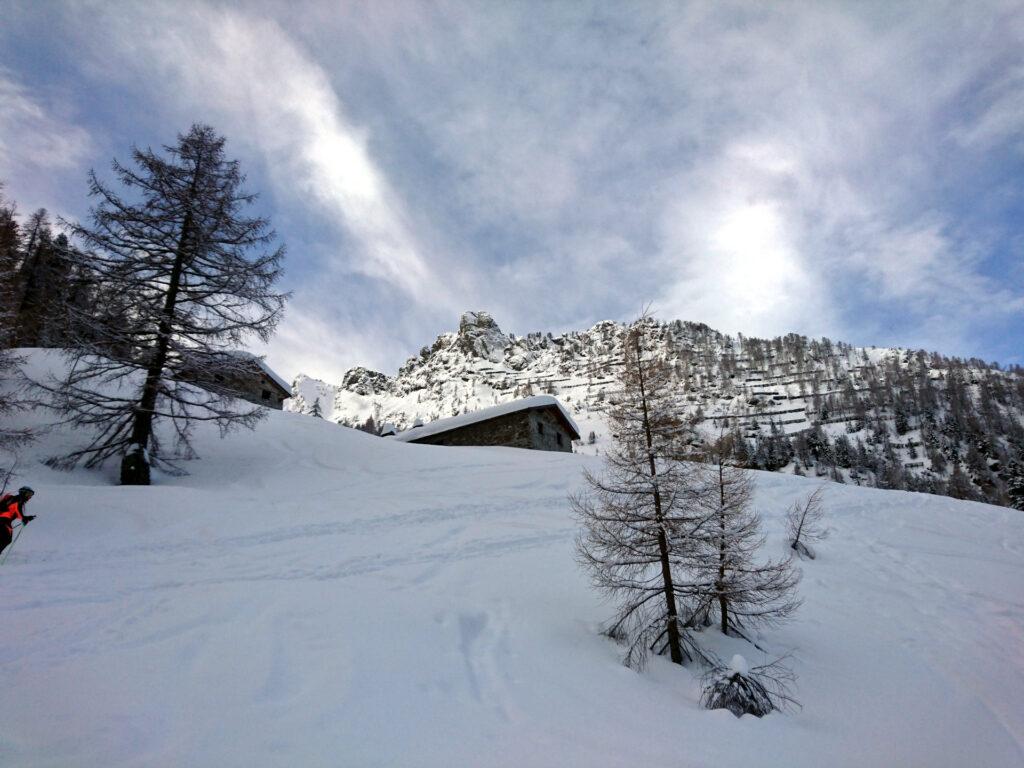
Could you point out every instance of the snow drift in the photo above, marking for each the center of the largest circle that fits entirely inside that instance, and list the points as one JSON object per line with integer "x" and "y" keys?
{"x": 311, "y": 595}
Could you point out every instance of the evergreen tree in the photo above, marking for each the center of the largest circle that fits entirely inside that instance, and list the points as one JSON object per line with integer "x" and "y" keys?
{"x": 191, "y": 278}
{"x": 1014, "y": 477}
{"x": 901, "y": 421}
{"x": 842, "y": 452}
{"x": 43, "y": 286}
{"x": 316, "y": 411}
{"x": 10, "y": 390}
{"x": 959, "y": 485}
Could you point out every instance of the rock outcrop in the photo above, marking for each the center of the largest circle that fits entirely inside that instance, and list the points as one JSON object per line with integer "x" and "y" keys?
{"x": 479, "y": 335}
{"x": 363, "y": 381}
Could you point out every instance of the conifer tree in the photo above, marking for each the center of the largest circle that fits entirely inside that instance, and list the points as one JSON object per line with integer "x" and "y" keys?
{"x": 190, "y": 278}
{"x": 10, "y": 249}
{"x": 316, "y": 411}
{"x": 11, "y": 398}
{"x": 43, "y": 286}
{"x": 1014, "y": 476}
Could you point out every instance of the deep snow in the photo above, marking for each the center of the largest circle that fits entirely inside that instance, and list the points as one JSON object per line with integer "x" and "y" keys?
{"x": 313, "y": 596}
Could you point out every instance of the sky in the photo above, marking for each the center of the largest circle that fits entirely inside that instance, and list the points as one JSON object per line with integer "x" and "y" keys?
{"x": 851, "y": 170}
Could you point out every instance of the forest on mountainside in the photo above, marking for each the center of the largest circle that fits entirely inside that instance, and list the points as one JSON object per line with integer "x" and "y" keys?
{"x": 879, "y": 417}
{"x": 912, "y": 421}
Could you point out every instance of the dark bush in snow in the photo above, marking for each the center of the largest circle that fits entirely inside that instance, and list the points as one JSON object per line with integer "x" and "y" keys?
{"x": 748, "y": 691}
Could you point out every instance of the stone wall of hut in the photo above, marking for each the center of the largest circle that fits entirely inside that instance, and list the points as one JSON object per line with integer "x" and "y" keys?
{"x": 257, "y": 388}
{"x": 547, "y": 431}
{"x": 536, "y": 429}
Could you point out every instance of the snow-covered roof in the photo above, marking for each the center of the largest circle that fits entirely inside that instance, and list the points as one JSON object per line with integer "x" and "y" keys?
{"x": 475, "y": 417}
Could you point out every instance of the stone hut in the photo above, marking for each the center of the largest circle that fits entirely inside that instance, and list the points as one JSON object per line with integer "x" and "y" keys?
{"x": 243, "y": 375}
{"x": 263, "y": 387}
{"x": 540, "y": 423}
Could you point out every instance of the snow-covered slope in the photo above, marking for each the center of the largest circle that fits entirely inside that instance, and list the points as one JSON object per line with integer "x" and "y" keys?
{"x": 313, "y": 596}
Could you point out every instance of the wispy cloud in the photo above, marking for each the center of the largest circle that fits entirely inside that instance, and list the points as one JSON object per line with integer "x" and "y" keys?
{"x": 31, "y": 131}
{"x": 1000, "y": 114}
{"x": 256, "y": 83}
{"x": 732, "y": 242}
{"x": 37, "y": 142}
{"x": 821, "y": 168}
{"x": 254, "y": 80}
{"x": 326, "y": 346}
{"x": 822, "y": 202}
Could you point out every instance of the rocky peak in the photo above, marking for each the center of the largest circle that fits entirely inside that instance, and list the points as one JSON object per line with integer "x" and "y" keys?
{"x": 480, "y": 336}
{"x": 363, "y": 381}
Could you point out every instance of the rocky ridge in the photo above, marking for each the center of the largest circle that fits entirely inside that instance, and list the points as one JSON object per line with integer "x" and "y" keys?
{"x": 877, "y": 415}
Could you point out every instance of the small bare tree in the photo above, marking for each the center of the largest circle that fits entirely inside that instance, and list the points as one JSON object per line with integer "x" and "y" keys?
{"x": 744, "y": 590}
{"x": 805, "y": 522}
{"x": 637, "y": 516}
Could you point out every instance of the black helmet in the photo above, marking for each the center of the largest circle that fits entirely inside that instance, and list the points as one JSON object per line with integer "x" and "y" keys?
{"x": 26, "y": 491}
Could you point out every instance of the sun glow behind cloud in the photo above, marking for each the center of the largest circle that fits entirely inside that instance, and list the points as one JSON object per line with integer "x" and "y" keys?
{"x": 757, "y": 264}
{"x": 730, "y": 239}
{"x": 822, "y": 169}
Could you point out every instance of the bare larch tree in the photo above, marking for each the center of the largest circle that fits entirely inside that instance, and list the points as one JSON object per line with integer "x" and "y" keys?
{"x": 744, "y": 590}
{"x": 636, "y": 516}
{"x": 181, "y": 279}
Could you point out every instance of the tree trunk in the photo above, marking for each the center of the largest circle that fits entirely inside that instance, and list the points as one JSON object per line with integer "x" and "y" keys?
{"x": 674, "y": 645}
{"x": 723, "y": 601}
{"x": 134, "y": 466}
{"x": 675, "y": 648}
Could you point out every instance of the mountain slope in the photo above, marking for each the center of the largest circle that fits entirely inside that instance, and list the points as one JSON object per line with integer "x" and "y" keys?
{"x": 312, "y": 596}
{"x": 888, "y": 418}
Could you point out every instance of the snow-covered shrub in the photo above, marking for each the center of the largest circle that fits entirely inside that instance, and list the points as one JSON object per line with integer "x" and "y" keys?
{"x": 745, "y": 690}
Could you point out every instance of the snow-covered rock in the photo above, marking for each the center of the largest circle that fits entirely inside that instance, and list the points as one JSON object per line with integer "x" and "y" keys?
{"x": 363, "y": 381}
{"x": 480, "y": 336}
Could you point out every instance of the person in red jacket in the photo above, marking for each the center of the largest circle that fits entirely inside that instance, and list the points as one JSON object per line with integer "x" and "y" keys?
{"x": 12, "y": 507}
